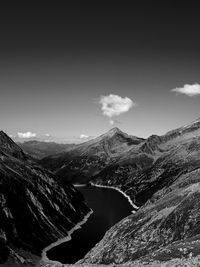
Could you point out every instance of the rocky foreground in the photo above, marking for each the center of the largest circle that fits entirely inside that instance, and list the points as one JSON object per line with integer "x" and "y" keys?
{"x": 177, "y": 262}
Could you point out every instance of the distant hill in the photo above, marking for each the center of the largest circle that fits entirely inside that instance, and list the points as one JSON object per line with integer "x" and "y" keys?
{"x": 34, "y": 210}
{"x": 40, "y": 149}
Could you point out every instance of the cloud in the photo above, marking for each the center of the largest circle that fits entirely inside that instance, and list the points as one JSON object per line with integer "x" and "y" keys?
{"x": 47, "y": 135}
{"x": 83, "y": 136}
{"x": 188, "y": 89}
{"x": 26, "y": 135}
{"x": 114, "y": 121}
{"x": 114, "y": 105}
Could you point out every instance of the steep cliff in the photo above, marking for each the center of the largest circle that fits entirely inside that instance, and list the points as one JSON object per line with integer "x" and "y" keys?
{"x": 34, "y": 209}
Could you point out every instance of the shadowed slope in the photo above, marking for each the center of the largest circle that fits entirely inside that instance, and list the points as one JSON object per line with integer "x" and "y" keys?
{"x": 34, "y": 209}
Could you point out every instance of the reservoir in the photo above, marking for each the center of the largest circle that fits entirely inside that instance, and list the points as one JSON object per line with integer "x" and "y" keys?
{"x": 109, "y": 206}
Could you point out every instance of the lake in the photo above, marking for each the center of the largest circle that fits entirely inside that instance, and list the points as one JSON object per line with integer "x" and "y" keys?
{"x": 109, "y": 206}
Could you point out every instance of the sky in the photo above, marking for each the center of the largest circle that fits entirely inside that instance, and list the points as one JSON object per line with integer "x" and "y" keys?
{"x": 71, "y": 70}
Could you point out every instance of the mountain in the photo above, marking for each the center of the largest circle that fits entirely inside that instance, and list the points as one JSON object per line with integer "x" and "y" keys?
{"x": 87, "y": 159}
{"x": 148, "y": 156}
{"x": 40, "y": 149}
{"x": 120, "y": 160}
{"x": 167, "y": 225}
{"x": 162, "y": 176}
{"x": 34, "y": 210}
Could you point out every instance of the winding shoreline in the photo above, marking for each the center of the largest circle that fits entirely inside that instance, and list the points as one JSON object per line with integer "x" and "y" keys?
{"x": 45, "y": 259}
{"x": 120, "y": 191}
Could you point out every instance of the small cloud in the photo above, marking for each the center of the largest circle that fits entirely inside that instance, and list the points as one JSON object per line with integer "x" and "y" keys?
{"x": 10, "y": 135}
{"x": 114, "y": 105}
{"x": 114, "y": 121}
{"x": 83, "y": 136}
{"x": 188, "y": 89}
{"x": 26, "y": 135}
{"x": 47, "y": 135}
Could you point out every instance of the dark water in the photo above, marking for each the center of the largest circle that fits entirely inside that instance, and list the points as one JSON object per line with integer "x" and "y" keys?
{"x": 109, "y": 207}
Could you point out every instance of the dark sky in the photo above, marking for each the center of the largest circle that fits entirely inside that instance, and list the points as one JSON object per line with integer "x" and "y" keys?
{"x": 57, "y": 59}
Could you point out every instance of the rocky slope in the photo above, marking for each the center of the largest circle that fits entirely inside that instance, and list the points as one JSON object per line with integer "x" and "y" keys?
{"x": 34, "y": 210}
{"x": 157, "y": 156}
{"x": 86, "y": 160}
{"x": 176, "y": 262}
{"x": 40, "y": 149}
{"x": 167, "y": 225}
{"x": 162, "y": 176}
{"x": 118, "y": 159}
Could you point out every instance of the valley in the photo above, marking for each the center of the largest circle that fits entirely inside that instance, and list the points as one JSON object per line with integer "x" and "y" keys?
{"x": 159, "y": 175}
{"x": 99, "y": 133}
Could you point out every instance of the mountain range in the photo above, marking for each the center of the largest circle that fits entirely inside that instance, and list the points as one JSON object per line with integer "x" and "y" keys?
{"x": 34, "y": 209}
{"x": 161, "y": 174}
{"x": 82, "y": 163}
{"x": 41, "y": 149}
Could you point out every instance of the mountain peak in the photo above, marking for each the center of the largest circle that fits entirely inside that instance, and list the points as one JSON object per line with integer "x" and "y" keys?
{"x": 115, "y": 130}
{"x": 112, "y": 132}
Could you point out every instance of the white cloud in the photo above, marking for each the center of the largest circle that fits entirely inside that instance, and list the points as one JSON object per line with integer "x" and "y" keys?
{"x": 83, "y": 136}
{"x": 26, "y": 135}
{"x": 188, "y": 89}
{"x": 114, "y": 121}
{"x": 114, "y": 105}
{"x": 47, "y": 135}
